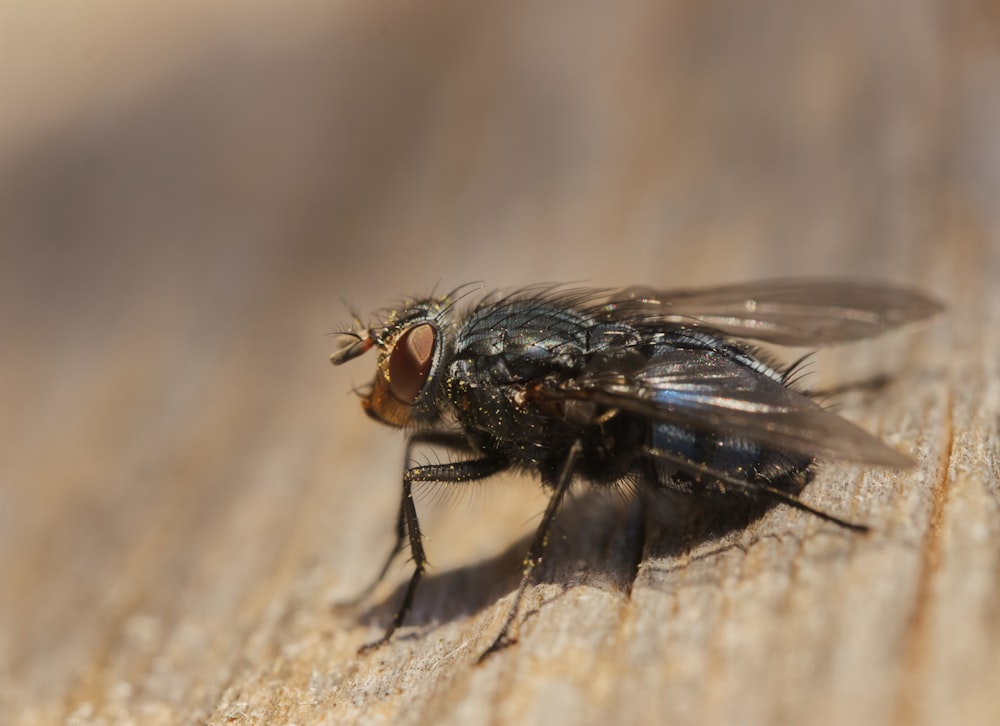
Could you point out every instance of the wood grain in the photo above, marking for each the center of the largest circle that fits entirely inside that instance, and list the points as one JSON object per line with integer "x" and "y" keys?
{"x": 187, "y": 490}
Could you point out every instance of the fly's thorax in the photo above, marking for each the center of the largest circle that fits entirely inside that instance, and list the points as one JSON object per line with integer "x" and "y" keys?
{"x": 523, "y": 340}
{"x": 412, "y": 354}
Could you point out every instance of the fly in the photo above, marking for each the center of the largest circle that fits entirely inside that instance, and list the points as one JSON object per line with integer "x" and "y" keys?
{"x": 655, "y": 388}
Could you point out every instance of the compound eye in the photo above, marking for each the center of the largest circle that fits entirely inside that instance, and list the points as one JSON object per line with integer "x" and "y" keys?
{"x": 410, "y": 362}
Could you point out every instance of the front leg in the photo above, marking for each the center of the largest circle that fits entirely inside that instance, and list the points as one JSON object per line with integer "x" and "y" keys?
{"x": 453, "y": 440}
{"x": 458, "y": 472}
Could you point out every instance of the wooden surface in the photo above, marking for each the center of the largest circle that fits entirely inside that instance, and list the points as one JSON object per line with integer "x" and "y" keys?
{"x": 187, "y": 489}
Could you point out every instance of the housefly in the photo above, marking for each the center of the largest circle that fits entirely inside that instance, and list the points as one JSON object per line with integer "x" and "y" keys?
{"x": 639, "y": 386}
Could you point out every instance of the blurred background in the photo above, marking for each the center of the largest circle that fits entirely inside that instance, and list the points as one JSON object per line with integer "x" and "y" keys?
{"x": 190, "y": 192}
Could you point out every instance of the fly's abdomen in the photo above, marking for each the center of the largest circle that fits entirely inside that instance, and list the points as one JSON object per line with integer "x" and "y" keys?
{"x": 735, "y": 457}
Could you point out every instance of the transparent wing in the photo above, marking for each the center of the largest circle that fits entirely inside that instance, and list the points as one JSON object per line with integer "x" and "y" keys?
{"x": 785, "y": 312}
{"x": 705, "y": 391}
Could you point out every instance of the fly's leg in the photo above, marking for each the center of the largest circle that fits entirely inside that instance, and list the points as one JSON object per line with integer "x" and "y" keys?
{"x": 445, "y": 439}
{"x": 458, "y": 472}
{"x": 537, "y": 550}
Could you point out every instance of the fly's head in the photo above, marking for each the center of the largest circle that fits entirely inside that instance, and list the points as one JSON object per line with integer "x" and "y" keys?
{"x": 410, "y": 344}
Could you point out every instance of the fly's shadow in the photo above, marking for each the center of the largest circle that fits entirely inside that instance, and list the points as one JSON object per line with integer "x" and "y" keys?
{"x": 599, "y": 539}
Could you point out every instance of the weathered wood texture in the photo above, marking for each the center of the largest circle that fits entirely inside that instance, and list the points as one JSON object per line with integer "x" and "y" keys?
{"x": 187, "y": 488}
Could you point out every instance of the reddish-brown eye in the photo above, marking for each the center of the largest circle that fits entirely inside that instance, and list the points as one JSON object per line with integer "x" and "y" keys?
{"x": 410, "y": 362}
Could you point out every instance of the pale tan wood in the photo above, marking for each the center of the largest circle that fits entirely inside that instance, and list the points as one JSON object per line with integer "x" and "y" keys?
{"x": 187, "y": 489}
